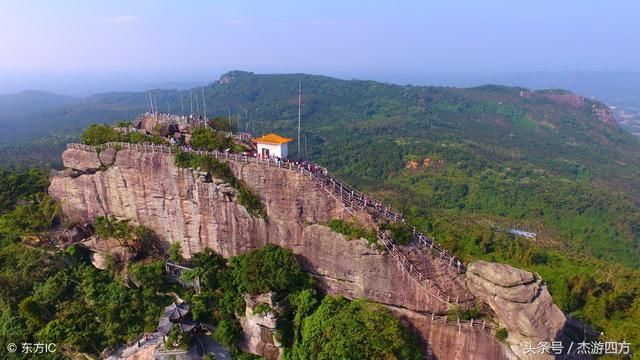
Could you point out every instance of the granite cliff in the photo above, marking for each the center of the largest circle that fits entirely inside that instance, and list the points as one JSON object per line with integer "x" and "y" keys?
{"x": 197, "y": 211}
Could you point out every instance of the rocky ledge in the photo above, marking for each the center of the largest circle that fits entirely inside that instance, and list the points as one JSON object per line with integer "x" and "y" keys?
{"x": 197, "y": 211}
{"x": 521, "y": 302}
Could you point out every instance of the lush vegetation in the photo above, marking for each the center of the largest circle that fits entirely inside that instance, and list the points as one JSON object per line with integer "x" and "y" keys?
{"x": 463, "y": 165}
{"x": 62, "y": 298}
{"x": 221, "y": 170}
{"x": 139, "y": 238}
{"x": 208, "y": 139}
{"x": 353, "y": 230}
{"x": 358, "y": 329}
{"x": 467, "y": 164}
{"x": 25, "y": 210}
{"x": 52, "y": 296}
{"x": 98, "y": 134}
{"x": 221, "y": 124}
{"x": 400, "y": 234}
{"x": 343, "y": 329}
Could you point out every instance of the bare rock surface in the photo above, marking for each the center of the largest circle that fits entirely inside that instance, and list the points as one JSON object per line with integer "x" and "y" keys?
{"x": 180, "y": 207}
{"x": 521, "y": 302}
{"x": 107, "y": 156}
{"x": 84, "y": 161}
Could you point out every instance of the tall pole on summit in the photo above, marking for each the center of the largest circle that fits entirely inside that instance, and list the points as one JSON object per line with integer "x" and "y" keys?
{"x": 204, "y": 105}
{"x": 150, "y": 100}
{"x": 181, "y": 103}
{"x": 299, "y": 112}
{"x": 191, "y": 100}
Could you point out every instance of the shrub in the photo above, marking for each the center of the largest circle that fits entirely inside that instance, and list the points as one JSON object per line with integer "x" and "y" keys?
{"x": 227, "y": 332}
{"x": 175, "y": 253}
{"x": 221, "y": 124}
{"x": 502, "y": 333}
{"x": 270, "y": 268}
{"x": 261, "y": 309}
{"x": 401, "y": 234}
{"x": 352, "y": 230}
{"x": 209, "y": 139}
{"x": 358, "y": 329}
{"x": 110, "y": 227}
{"x": 97, "y": 134}
{"x": 221, "y": 170}
{"x": 456, "y": 312}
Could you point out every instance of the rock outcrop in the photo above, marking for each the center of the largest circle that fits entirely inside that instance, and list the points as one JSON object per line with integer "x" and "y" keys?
{"x": 259, "y": 329}
{"x": 520, "y": 301}
{"x": 84, "y": 161}
{"x": 197, "y": 211}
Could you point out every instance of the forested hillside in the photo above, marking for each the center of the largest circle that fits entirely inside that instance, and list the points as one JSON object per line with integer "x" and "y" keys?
{"x": 463, "y": 164}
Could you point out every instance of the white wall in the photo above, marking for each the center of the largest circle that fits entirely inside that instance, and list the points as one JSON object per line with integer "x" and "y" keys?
{"x": 274, "y": 150}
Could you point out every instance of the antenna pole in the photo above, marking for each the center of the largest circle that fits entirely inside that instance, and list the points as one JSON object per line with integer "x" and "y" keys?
{"x": 197, "y": 104}
{"x": 150, "y": 100}
{"x": 181, "y": 103}
{"x": 191, "y": 101}
{"x": 299, "y": 112}
{"x": 204, "y": 105}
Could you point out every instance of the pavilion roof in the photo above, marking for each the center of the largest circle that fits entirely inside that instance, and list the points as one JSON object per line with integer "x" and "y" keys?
{"x": 273, "y": 139}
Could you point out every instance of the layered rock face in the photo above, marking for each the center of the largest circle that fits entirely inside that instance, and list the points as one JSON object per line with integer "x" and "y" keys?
{"x": 521, "y": 302}
{"x": 182, "y": 205}
{"x": 259, "y": 329}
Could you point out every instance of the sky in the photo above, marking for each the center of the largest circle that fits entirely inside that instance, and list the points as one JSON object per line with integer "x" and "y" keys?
{"x": 76, "y": 42}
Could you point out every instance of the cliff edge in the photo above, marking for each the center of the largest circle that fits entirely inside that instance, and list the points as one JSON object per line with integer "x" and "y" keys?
{"x": 197, "y": 211}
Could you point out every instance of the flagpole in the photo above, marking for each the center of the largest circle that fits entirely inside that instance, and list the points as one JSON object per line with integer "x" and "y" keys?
{"x": 299, "y": 112}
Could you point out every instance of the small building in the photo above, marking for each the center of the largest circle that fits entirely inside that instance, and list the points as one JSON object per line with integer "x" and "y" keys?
{"x": 272, "y": 145}
{"x": 176, "y": 314}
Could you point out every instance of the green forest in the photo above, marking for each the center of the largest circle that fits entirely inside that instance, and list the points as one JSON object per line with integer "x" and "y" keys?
{"x": 464, "y": 165}
{"x": 54, "y": 296}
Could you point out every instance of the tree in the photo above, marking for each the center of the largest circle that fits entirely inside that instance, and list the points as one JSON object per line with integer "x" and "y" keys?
{"x": 303, "y": 304}
{"x": 33, "y": 312}
{"x": 97, "y": 134}
{"x": 150, "y": 275}
{"x": 270, "y": 268}
{"x": 175, "y": 253}
{"x": 357, "y": 329}
{"x": 227, "y": 332}
{"x": 209, "y": 139}
{"x": 221, "y": 124}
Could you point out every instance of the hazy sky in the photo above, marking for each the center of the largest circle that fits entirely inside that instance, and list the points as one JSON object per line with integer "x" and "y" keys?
{"x": 174, "y": 40}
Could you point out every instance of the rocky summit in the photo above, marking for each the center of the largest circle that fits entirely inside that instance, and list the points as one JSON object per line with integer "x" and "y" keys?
{"x": 183, "y": 206}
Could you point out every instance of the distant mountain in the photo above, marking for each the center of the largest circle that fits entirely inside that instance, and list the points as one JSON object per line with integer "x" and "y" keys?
{"x": 615, "y": 88}
{"x": 28, "y": 102}
{"x": 528, "y": 143}
{"x": 466, "y": 165}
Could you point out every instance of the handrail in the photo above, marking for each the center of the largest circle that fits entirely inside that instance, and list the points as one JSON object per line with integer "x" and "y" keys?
{"x": 356, "y": 198}
{"x": 348, "y": 197}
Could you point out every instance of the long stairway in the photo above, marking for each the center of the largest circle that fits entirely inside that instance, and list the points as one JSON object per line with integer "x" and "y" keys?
{"x": 351, "y": 199}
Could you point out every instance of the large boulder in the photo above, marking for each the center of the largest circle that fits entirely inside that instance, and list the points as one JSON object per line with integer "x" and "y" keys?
{"x": 148, "y": 124}
{"x": 107, "y": 156}
{"x": 258, "y": 329}
{"x": 521, "y": 302}
{"x": 85, "y": 161}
